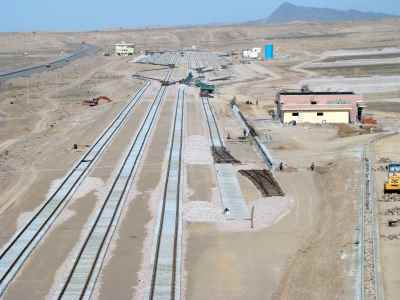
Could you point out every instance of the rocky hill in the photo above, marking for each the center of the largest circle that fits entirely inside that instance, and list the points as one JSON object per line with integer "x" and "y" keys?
{"x": 288, "y": 12}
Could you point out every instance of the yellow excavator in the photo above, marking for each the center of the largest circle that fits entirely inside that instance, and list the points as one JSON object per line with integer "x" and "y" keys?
{"x": 392, "y": 183}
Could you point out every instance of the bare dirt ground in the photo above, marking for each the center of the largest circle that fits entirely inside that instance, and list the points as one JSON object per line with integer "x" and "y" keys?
{"x": 50, "y": 108}
{"x": 302, "y": 246}
{"x": 309, "y": 253}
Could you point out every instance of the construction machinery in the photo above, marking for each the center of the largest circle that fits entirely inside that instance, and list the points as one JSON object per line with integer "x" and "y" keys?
{"x": 188, "y": 80}
{"x": 392, "y": 183}
{"x": 206, "y": 90}
{"x": 205, "y": 86}
{"x": 95, "y": 101}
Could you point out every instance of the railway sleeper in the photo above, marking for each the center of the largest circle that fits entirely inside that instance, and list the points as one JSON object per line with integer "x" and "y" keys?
{"x": 264, "y": 182}
{"x": 222, "y": 156}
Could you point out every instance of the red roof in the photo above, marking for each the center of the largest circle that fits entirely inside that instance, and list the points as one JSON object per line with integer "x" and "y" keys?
{"x": 320, "y": 101}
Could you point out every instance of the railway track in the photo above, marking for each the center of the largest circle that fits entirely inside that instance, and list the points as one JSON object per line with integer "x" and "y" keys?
{"x": 196, "y": 62}
{"x": 21, "y": 245}
{"x": 165, "y": 283}
{"x": 215, "y": 136}
{"x": 369, "y": 243}
{"x": 216, "y": 139}
{"x": 218, "y": 149}
{"x": 81, "y": 279}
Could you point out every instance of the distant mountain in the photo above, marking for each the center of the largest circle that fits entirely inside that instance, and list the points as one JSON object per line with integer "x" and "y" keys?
{"x": 288, "y": 12}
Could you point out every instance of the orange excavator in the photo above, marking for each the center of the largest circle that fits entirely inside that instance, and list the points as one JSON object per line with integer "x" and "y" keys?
{"x": 96, "y": 101}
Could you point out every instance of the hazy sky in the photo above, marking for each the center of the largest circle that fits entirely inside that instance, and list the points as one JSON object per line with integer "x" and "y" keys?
{"x": 31, "y": 15}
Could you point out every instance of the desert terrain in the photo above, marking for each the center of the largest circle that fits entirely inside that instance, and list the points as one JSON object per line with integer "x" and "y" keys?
{"x": 304, "y": 244}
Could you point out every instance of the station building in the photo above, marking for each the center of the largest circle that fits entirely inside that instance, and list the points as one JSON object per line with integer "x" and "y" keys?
{"x": 124, "y": 49}
{"x": 306, "y": 106}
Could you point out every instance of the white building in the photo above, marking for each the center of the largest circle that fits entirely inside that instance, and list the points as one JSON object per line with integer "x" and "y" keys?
{"x": 251, "y": 53}
{"x": 124, "y": 49}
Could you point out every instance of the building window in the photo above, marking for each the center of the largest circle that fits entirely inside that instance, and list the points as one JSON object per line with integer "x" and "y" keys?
{"x": 295, "y": 114}
{"x": 320, "y": 114}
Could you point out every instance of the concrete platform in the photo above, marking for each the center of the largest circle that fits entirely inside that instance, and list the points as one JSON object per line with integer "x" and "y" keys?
{"x": 231, "y": 194}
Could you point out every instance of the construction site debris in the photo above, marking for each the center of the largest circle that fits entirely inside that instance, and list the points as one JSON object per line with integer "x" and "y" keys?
{"x": 390, "y": 198}
{"x": 380, "y": 169}
{"x": 345, "y": 130}
{"x": 368, "y": 120}
{"x": 395, "y": 211}
{"x": 384, "y": 160}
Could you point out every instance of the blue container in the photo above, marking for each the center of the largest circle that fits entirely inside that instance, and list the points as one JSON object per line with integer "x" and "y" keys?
{"x": 269, "y": 52}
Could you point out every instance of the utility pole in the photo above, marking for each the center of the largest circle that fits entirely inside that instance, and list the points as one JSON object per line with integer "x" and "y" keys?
{"x": 252, "y": 217}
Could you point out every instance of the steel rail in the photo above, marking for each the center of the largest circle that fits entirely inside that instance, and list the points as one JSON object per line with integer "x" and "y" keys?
{"x": 215, "y": 135}
{"x": 165, "y": 283}
{"x": 20, "y": 246}
{"x": 81, "y": 279}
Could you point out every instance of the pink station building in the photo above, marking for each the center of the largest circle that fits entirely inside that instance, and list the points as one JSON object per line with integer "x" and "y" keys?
{"x": 319, "y": 107}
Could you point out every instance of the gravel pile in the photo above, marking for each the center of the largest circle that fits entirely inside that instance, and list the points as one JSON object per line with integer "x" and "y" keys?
{"x": 390, "y": 198}
{"x": 395, "y": 211}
